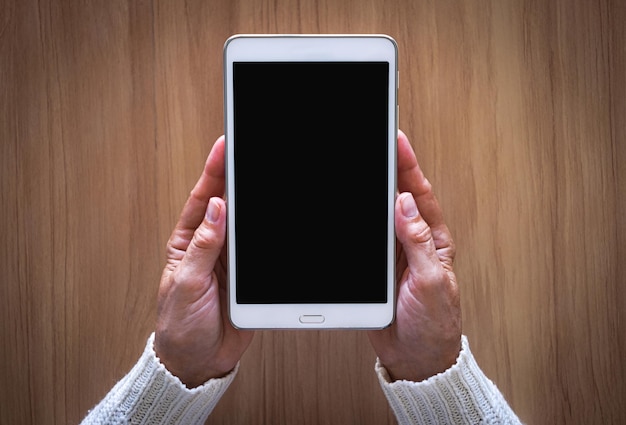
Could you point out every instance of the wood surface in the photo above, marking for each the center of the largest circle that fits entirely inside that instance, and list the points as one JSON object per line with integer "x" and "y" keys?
{"x": 517, "y": 111}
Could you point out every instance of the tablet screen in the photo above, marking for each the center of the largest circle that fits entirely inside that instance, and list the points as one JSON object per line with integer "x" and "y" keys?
{"x": 311, "y": 181}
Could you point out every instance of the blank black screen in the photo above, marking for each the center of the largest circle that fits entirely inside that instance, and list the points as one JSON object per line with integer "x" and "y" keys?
{"x": 311, "y": 179}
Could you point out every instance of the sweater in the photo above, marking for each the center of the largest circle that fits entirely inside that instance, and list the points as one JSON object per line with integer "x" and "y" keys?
{"x": 150, "y": 394}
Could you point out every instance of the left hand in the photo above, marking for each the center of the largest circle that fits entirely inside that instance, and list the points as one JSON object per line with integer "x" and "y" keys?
{"x": 194, "y": 337}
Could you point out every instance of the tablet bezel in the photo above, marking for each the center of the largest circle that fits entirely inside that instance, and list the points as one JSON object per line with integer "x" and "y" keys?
{"x": 315, "y": 48}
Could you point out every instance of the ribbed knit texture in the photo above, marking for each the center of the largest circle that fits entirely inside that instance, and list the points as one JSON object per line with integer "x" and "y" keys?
{"x": 150, "y": 394}
{"x": 460, "y": 395}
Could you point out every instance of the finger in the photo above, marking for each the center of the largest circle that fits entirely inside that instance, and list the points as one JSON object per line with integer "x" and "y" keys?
{"x": 417, "y": 241}
{"x": 205, "y": 246}
{"x": 210, "y": 183}
{"x": 411, "y": 179}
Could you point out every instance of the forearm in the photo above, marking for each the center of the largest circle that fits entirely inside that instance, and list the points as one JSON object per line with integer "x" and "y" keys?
{"x": 461, "y": 395}
{"x": 150, "y": 394}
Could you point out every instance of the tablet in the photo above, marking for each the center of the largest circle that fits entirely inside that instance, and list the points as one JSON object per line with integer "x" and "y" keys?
{"x": 311, "y": 128}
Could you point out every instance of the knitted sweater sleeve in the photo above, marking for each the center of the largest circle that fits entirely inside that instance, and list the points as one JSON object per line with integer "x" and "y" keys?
{"x": 150, "y": 394}
{"x": 460, "y": 395}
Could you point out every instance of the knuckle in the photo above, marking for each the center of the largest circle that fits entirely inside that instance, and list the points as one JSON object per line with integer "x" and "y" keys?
{"x": 435, "y": 278}
{"x": 427, "y": 187}
{"x": 420, "y": 233}
{"x": 205, "y": 238}
{"x": 430, "y": 280}
{"x": 179, "y": 278}
{"x": 452, "y": 248}
{"x": 185, "y": 282}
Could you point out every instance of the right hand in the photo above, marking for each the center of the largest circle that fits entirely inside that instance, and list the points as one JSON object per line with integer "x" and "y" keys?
{"x": 425, "y": 338}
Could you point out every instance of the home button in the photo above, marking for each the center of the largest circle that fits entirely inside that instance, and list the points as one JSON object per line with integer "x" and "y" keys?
{"x": 311, "y": 318}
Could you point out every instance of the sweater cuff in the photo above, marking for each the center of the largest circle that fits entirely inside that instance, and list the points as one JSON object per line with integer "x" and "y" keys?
{"x": 150, "y": 394}
{"x": 460, "y": 395}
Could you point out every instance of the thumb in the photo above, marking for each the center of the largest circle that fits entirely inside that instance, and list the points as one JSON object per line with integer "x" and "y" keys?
{"x": 207, "y": 242}
{"x": 416, "y": 238}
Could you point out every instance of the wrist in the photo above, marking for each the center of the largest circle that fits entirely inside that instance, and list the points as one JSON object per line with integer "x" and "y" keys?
{"x": 184, "y": 364}
{"x": 409, "y": 367}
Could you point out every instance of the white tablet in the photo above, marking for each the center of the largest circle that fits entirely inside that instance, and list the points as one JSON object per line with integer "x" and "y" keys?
{"x": 311, "y": 127}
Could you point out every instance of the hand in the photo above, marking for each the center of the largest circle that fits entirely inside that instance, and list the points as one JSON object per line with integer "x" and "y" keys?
{"x": 425, "y": 338}
{"x": 194, "y": 338}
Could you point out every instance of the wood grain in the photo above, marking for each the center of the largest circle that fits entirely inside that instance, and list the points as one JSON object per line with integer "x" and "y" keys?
{"x": 517, "y": 110}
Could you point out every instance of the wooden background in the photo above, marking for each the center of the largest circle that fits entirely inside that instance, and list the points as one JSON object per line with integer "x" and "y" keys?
{"x": 517, "y": 110}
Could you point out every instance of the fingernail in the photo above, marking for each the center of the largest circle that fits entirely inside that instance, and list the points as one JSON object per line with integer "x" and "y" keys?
{"x": 213, "y": 210}
{"x": 409, "y": 209}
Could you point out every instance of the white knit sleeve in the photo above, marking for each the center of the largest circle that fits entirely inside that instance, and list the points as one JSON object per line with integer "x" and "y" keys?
{"x": 150, "y": 394}
{"x": 460, "y": 395}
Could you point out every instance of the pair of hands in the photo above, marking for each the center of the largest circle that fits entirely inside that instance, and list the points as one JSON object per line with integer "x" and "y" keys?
{"x": 195, "y": 340}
